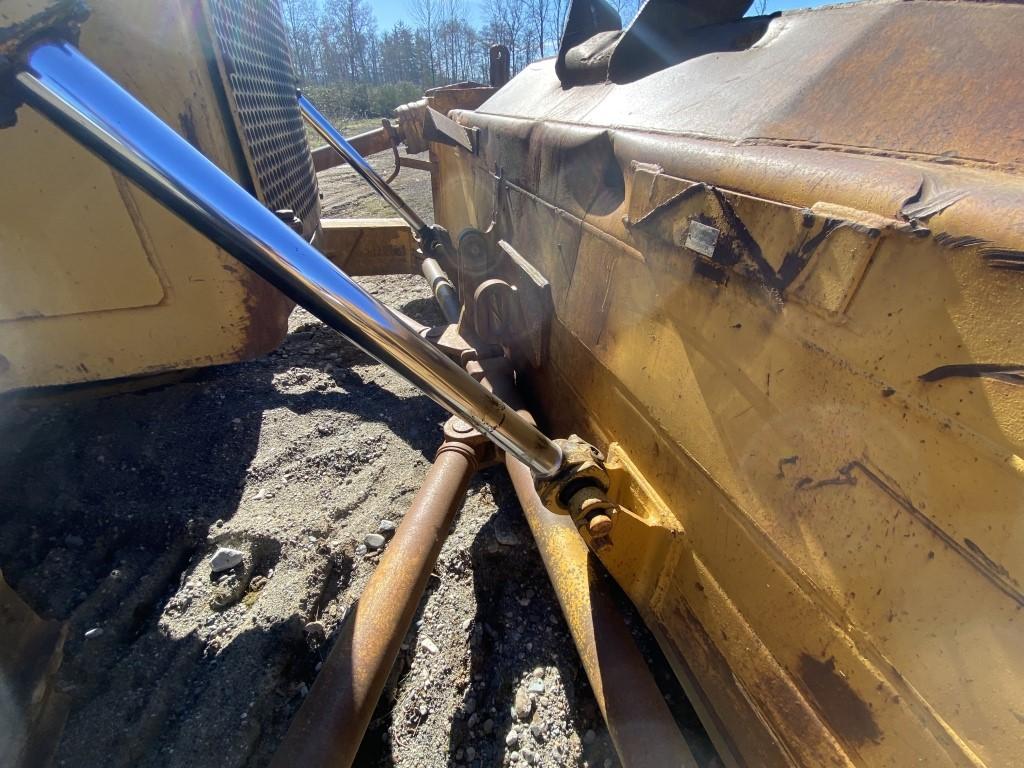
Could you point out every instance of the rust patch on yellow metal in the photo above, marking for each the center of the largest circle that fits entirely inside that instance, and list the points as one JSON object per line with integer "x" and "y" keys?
{"x": 831, "y": 426}
{"x": 121, "y": 287}
{"x": 445, "y": 98}
{"x": 849, "y": 714}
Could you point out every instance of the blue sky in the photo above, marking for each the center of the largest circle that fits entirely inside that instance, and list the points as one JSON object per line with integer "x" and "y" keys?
{"x": 390, "y": 11}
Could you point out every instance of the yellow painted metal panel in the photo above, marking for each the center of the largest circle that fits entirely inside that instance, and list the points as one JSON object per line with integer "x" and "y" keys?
{"x": 68, "y": 244}
{"x": 108, "y": 283}
{"x": 827, "y": 404}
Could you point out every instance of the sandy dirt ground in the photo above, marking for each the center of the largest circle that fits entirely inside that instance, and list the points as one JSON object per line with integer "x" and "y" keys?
{"x": 112, "y": 508}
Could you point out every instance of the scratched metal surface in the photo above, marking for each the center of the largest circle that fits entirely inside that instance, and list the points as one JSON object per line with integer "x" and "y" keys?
{"x": 928, "y": 78}
{"x": 825, "y": 400}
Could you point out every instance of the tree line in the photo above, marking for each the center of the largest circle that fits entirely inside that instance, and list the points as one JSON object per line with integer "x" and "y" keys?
{"x": 363, "y": 71}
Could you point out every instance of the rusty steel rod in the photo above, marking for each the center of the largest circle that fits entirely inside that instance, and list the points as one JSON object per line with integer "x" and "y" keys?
{"x": 369, "y": 143}
{"x": 639, "y": 721}
{"x": 331, "y": 723}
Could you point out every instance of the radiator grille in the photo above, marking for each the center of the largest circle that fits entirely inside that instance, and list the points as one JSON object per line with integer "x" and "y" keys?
{"x": 252, "y": 49}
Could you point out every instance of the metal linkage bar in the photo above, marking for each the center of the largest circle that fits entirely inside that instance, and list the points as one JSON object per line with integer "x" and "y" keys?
{"x": 330, "y": 725}
{"x": 67, "y": 88}
{"x": 442, "y": 287}
{"x": 341, "y": 145}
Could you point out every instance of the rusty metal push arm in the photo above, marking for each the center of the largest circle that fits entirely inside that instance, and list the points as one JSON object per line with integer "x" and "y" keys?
{"x": 62, "y": 84}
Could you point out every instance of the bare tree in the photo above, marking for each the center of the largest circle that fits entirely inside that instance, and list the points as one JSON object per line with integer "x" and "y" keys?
{"x": 302, "y": 20}
{"x": 628, "y": 9}
{"x": 539, "y": 17}
{"x": 425, "y": 13}
{"x": 508, "y": 24}
{"x": 559, "y": 10}
{"x": 336, "y": 44}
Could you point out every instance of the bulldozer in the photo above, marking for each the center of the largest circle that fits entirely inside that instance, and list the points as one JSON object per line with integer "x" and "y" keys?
{"x": 731, "y": 297}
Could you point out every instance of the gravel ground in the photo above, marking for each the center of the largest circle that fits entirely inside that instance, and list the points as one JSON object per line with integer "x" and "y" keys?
{"x": 113, "y": 508}
{"x": 342, "y": 195}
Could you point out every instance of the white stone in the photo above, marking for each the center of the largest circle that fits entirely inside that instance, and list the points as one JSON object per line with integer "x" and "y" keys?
{"x": 224, "y": 559}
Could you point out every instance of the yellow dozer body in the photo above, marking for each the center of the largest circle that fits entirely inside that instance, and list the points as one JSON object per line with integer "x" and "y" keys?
{"x": 771, "y": 266}
{"x": 783, "y": 282}
{"x": 100, "y": 281}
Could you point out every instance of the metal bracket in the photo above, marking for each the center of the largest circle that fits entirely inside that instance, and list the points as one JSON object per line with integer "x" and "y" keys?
{"x": 579, "y": 489}
{"x": 396, "y": 139}
{"x": 441, "y": 129}
{"x": 458, "y": 431}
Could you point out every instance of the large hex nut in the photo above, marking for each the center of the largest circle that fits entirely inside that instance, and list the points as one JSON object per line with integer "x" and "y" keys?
{"x": 582, "y": 466}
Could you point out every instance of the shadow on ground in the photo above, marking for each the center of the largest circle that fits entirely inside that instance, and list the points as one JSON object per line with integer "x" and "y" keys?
{"x": 107, "y": 503}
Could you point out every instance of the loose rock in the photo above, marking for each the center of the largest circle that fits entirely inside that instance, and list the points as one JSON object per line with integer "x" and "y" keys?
{"x": 315, "y": 629}
{"x": 537, "y": 686}
{"x": 225, "y": 559}
{"x": 387, "y": 527}
{"x": 257, "y": 583}
{"x": 523, "y": 705}
{"x": 512, "y": 739}
{"x": 429, "y": 644}
{"x": 504, "y": 534}
{"x": 374, "y": 541}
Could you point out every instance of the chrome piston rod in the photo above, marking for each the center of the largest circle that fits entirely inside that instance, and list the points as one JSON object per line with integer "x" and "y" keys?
{"x": 62, "y": 84}
{"x": 441, "y": 286}
{"x": 341, "y": 145}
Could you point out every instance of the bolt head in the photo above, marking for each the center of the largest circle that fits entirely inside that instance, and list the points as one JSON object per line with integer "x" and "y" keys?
{"x": 599, "y": 525}
{"x": 460, "y": 425}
